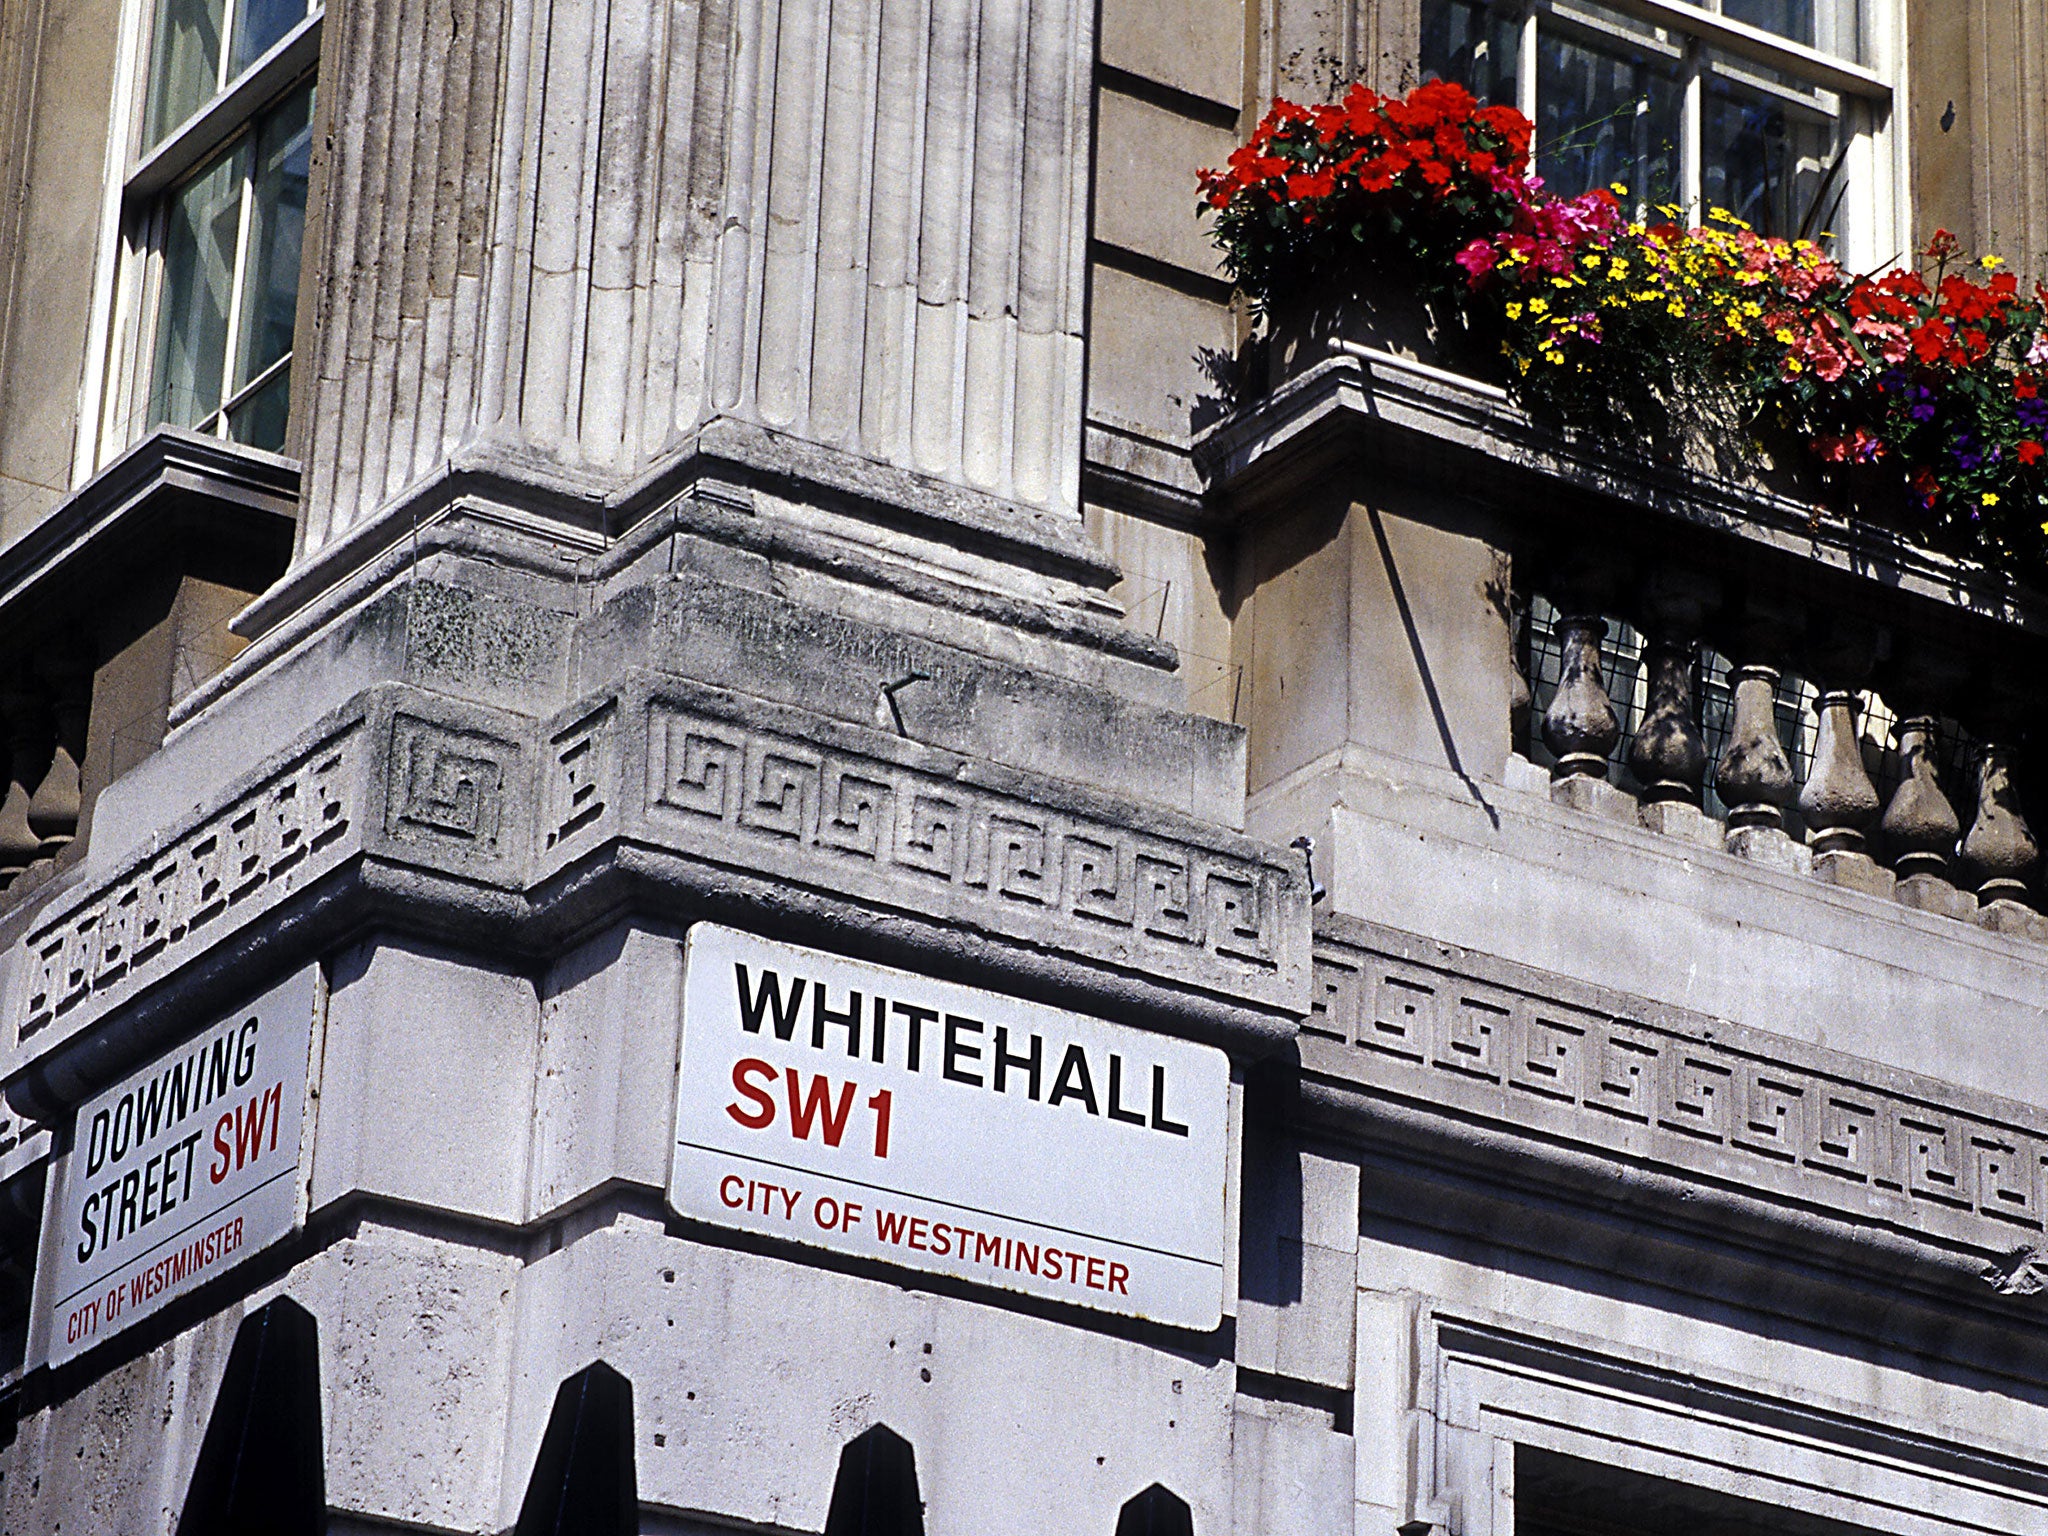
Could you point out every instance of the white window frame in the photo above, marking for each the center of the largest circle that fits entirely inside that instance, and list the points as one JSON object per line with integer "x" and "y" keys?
{"x": 1873, "y": 229}
{"x": 120, "y": 358}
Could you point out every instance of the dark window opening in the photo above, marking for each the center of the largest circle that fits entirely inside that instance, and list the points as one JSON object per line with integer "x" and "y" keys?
{"x": 1564, "y": 1496}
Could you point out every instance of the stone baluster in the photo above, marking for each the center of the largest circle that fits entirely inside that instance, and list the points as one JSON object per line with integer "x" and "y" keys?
{"x": 1669, "y": 755}
{"x": 1999, "y": 852}
{"x": 1838, "y": 800}
{"x": 54, "y": 808}
{"x": 1920, "y": 828}
{"x": 1579, "y": 727}
{"x": 26, "y": 740}
{"x": 1754, "y": 775}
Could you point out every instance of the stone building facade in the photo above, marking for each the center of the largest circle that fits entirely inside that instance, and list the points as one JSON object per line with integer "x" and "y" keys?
{"x": 527, "y": 520}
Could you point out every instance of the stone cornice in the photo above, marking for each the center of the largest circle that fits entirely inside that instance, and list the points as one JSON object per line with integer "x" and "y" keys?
{"x": 1413, "y": 1042}
{"x": 166, "y": 483}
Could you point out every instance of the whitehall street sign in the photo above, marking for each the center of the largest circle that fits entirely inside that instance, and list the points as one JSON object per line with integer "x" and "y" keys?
{"x": 180, "y": 1172}
{"x": 884, "y": 1114}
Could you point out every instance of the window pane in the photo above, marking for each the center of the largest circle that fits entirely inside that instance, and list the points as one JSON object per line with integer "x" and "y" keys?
{"x": 277, "y": 221}
{"x": 184, "y": 64}
{"x": 1473, "y": 44}
{"x": 1787, "y": 18}
{"x": 1605, "y": 114}
{"x": 259, "y": 24}
{"x": 1765, "y": 159}
{"x": 198, "y": 269}
{"x": 259, "y": 420}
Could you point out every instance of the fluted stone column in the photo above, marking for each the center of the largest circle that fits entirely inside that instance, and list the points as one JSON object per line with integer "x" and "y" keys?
{"x": 846, "y": 232}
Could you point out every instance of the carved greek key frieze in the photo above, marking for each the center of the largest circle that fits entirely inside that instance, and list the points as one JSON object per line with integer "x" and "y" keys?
{"x": 579, "y": 773}
{"x": 294, "y": 824}
{"x": 447, "y": 784}
{"x": 1713, "y": 1100}
{"x": 931, "y": 837}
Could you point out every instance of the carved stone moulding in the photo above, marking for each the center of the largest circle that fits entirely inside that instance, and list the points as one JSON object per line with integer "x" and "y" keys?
{"x": 410, "y": 811}
{"x": 1731, "y": 1116}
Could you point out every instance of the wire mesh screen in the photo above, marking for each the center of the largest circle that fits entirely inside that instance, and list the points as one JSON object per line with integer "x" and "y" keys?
{"x": 1626, "y": 674}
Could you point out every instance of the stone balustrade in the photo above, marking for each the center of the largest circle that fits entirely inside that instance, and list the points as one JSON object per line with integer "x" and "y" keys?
{"x": 1866, "y": 754}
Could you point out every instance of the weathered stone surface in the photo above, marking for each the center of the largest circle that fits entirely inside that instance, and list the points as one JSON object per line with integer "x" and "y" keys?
{"x": 1932, "y": 893}
{"x": 1595, "y": 797}
{"x": 1686, "y": 823}
{"x": 1854, "y": 871}
{"x": 1195, "y": 46}
{"x": 445, "y": 1047}
{"x": 1674, "y": 925}
{"x": 1769, "y": 845}
{"x": 1145, "y": 155}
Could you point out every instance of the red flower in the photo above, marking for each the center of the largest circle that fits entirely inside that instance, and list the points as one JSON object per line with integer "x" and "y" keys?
{"x": 2030, "y": 452}
{"x": 1312, "y": 186}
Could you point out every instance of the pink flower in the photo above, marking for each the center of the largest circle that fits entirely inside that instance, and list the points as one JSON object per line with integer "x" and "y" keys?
{"x": 1477, "y": 260}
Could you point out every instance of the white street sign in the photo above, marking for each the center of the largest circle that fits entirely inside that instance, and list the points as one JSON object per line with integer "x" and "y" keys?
{"x": 180, "y": 1171}
{"x": 876, "y": 1112}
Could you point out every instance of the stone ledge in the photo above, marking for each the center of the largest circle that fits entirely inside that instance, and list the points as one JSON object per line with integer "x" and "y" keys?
{"x": 1422, "y": 419}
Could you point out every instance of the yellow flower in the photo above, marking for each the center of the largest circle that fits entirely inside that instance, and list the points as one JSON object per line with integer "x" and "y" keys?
{"x": 1538, "y": 305}
{"x": 1617, "y": 189}
{"x": 1514, "y": 311}
{"x": 1989, "y": 498}
{"x": 1523, "y": 364}
{"x": 1783, "y": 335}
{"x": 1793, "y": 365}
{"x": 1676, "y": 308}
{"x": 1618, "y": 271}
{"x": 1992, "y": 263}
